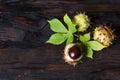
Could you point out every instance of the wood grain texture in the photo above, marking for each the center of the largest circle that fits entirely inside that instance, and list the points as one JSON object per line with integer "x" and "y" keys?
{"x": 32, "y": 59}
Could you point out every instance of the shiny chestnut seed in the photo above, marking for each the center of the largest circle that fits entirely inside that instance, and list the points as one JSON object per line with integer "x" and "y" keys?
{"x": 74, "y": 52}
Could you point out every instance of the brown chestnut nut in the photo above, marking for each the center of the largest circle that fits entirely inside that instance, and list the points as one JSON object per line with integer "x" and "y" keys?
{"x": 73, "y": 53}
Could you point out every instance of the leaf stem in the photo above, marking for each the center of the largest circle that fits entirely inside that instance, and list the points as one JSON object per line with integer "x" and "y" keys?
{"x": 76, "y": 35}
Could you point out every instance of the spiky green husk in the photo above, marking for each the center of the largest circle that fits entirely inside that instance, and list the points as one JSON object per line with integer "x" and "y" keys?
{"x": 82, "y": 21}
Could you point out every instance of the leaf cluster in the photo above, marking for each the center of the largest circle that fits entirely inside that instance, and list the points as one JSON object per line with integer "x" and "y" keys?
{"x": 66, "y": 33}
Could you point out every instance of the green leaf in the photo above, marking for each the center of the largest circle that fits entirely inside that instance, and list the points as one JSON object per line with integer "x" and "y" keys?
{"x": 71, "y": 26}
{"x": 57, "y": 38}
{"x": 85, "y": 37}
{"x": 70, "y": 39}
{"x": 89, "y": 53}
{"x": 57, "y": 26}
{"x": 95, "y": 45}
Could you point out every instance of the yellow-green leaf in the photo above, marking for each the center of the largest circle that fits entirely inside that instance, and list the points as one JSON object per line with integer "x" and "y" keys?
{"x": 89, "y": 53}
{"x": 85, "y": 37}
{"x": 57, "y": 26}
{"x": 57, "y": 38}
{"x": 71, "y": 26}
{"x": 70, "y": 39}
{"x": 95, "y": 45}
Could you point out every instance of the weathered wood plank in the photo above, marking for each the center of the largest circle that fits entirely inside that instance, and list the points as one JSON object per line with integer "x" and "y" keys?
{"x": 49, "y": 63}
{"x": 33, "y": 59}
{"x": 59, "y": 7}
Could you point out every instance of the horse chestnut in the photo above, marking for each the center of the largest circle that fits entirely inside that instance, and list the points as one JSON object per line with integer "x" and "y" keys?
{"x": 73, "y": 53}
{"x": 104, "y": 35}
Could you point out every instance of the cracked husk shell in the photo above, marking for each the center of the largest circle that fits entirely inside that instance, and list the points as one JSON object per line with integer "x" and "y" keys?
{"x": 104, "y": 35}
{"x": 68, "y": 59}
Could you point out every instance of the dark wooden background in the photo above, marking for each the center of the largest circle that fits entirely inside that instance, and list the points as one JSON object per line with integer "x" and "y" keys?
{"x": 24, "y": 55}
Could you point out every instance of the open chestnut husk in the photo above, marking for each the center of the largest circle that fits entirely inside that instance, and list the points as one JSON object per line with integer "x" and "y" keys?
{"x": 73, "y": 53}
